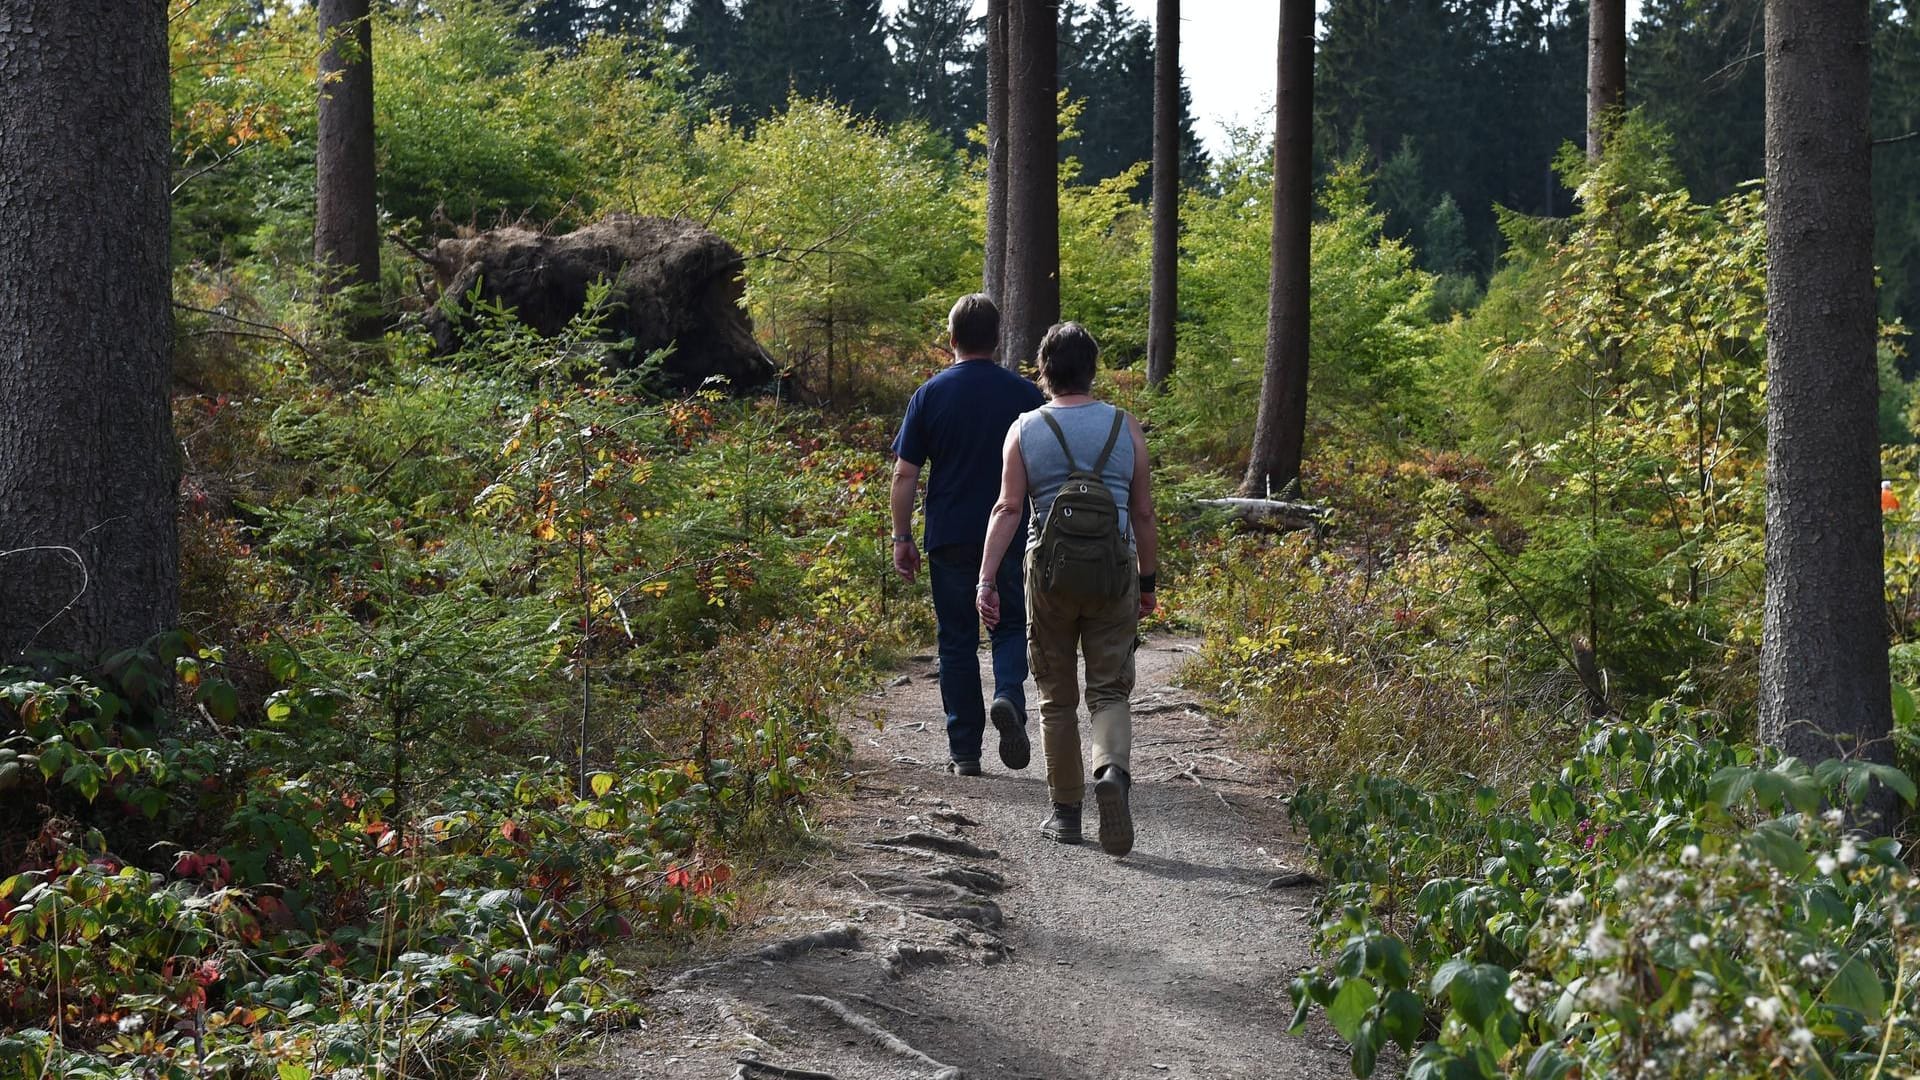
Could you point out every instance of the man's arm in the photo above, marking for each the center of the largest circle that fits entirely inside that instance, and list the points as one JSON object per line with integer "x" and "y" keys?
{"x": 906, "y": 486}
{"x": 1146, "y": 529}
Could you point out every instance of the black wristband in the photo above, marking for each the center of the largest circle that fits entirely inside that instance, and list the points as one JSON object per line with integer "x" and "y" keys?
{"x": 1148, "y": 581}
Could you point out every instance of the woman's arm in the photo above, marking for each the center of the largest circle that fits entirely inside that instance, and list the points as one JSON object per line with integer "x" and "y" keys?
{"x": 1146, "y": 529}
{"x": 1001, "y": 526}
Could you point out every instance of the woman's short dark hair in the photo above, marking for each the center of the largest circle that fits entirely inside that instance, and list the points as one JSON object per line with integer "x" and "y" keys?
{"x": 974, "y": 324}
{"x": 1067, "y": 358}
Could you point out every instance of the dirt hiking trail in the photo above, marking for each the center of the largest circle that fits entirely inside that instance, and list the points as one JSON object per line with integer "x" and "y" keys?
{"x": 940, "y": 936}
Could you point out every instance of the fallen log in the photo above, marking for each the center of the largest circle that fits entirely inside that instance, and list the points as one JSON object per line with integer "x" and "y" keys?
{"x": 1270, "y": 513}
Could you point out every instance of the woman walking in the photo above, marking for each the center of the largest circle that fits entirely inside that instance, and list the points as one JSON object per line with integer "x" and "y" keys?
{"x": 1090, "y": 560}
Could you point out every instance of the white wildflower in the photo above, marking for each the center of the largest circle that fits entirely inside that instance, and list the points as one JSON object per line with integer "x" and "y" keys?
{"x": 1698, "y": 942}
{"x": 1800, "y": 1037}
{"x": 1517, "y": 995}
{"x": 1690, "y": 854}
{"x": 1570, "y": 903}
{"x": 1835, "y": 816}
{"x": 1603, "y": 992}
{"x": 1600, "y": 944}
{"x": 129, "y": 1025}
{"x": 1767, "y": 1009}
{"x": 1685, "y": 1021}
{"x": 1827, "y": 864}
{"x": 1849, "y": 851}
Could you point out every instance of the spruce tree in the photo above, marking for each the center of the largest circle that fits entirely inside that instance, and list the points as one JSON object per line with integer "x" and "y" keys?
{"x": 931, "y": 49}
{"x": 1823, "y": 657}
{"x": 89, "y": 467}
{"x": 1280, "y": 426}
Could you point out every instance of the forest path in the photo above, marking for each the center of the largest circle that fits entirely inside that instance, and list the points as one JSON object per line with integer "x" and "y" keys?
{"x": 1007, "y": 955}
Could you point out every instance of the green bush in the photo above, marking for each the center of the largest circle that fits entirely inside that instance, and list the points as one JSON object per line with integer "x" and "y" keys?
{"x": 1668, "y": 905}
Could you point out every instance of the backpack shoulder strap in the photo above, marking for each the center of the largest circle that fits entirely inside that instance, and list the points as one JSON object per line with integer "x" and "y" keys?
{"x": 1113, "y": 439}
{"x": 1062, "y": 436}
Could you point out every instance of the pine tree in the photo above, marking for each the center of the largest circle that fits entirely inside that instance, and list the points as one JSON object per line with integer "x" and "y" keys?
{"x": 1606, "y": 69}
{"x": 346, "y": 226}
{"x": 1031, "y": 291}
{"x": 931, "y": 39}
{"x": 710, "y": 32}
{"x": 89, "y": 467}
{"x": 1280, "y": 426}
{"x": 566, "y": 23}
{"x": 1164, "y": 303}
{"x": 1823, "y": 658}
{"x": 994, "y": 261}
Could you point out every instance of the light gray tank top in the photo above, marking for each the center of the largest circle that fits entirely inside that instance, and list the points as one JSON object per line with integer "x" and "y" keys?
{"x": 1086, "y": 427}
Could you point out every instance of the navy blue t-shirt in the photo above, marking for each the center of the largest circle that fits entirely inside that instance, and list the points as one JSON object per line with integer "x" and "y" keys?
{"x": 959, "y": 419}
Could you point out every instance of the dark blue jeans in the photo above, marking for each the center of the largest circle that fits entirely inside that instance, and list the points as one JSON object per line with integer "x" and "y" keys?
{"x": 953, "y": 570}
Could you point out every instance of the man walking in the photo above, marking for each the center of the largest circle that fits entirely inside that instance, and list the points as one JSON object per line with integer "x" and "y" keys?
{"x": 958, "y": 420}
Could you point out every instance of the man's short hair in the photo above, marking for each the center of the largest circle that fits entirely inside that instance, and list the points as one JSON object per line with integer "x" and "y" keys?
{"x": 1068, "y": 355}
{"x": 974, "y": 325}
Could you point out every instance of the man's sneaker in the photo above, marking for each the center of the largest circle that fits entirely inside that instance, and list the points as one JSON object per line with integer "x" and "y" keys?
{"x": 964, "y": 768}
{"x": 1015, "y": 749}
{"x": 1064, "y": 825}
{"x": 1116, "y": 819}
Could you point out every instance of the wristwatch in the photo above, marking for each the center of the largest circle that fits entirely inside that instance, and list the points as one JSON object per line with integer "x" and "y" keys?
{"x": 908, "y": 539}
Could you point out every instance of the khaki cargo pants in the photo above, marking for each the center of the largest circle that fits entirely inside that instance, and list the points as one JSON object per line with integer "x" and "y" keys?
{"x": 1061, "y": 629}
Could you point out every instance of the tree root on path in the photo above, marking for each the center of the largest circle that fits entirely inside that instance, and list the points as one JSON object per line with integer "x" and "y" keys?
{"x": 837, "y": 936}
{"x": 1191, "y": 770}
{"x": 881, "y": 1037}
{"x": 904, "y": 887}
{"x": 1150, "y": 707}
{"x": 745, "y": 1068}
{"x": 903, "y": 956}
{"x": 878, "y": 1004}
{"x": 984, "y": 914}
{"x": 977, "y": 878}
{"x": 945, "y": 845}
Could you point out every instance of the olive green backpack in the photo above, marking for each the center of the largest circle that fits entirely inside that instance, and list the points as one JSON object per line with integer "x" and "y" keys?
{"x": 1082, "y": 551}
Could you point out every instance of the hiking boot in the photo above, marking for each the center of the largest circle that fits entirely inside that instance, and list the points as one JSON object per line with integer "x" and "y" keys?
{"x": 1015, "y": 749}
{"x": 964, "y": 768}
{"x": 1064, "y": 825}
{"x": 1116, "y": 818}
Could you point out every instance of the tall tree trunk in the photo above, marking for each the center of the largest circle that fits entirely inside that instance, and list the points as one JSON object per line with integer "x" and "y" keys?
{"x": 1032, "y": 284}
{"x": 1280, "y": 430}
{"x": 1164, "y": 307}
{"x": 89, "y": 470}
{"x": 996, "y": 255}
{"x": 1606, "y": 69}
{"x": 346, "y": 226}
{"x": 1823, "y": 660}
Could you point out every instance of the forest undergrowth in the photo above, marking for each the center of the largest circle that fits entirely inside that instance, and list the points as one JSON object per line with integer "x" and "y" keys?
{"x": 503, "y": 675}
{"x": 1515, "y": 677}
{"x": 505, "y": 669}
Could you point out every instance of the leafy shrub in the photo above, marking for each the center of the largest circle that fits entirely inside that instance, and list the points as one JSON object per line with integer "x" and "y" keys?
{"x": 1667, "y": 905}
{"x": 320, "y": 929}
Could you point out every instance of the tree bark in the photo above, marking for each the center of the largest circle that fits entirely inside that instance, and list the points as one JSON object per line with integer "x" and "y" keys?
{"x": 1279, "y": 432}
{"x": 1164, "y": 307}
{"x": 1823, "y": 661}
{"x": 1032, "y": 285}
{"x": 89, "y": 470}
{"x": 994, "y": 276}
{"x": 1606, "y": 69}
{"x": 346, "y": 226}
